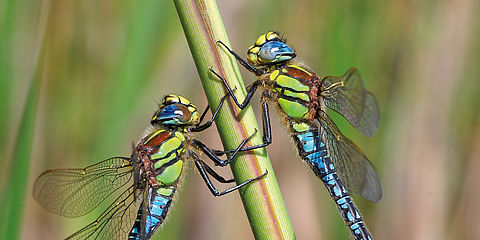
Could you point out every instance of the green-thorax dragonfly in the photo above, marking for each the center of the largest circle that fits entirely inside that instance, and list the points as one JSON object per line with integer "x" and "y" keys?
{"x": 145, "y": 182}
{"x": 302, "y": 98}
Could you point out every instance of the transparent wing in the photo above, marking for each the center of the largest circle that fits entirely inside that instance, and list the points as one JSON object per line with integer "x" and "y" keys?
{"x": 353, "y": 167}
{"x": 116, "y": 221}
{"x": 75, "y": 192}
{"x": 347, "y": 96}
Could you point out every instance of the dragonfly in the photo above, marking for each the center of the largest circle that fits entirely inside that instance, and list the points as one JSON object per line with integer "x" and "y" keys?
{"x": 145, "y": 182}
{"x": 302, "y": 97}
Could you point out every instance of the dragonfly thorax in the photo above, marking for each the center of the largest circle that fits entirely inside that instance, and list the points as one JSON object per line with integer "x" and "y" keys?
{"x": 296, "y": 91}
{"x": 160, "y": 156}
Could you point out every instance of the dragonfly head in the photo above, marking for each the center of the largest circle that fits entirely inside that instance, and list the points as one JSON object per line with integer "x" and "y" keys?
{"x": 175, "y": 110}
{"x": 269, "y": 48}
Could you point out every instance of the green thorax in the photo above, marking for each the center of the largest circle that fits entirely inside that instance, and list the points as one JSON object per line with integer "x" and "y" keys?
{"x": 164, "y": 148}
{"x": 295, "y": 88}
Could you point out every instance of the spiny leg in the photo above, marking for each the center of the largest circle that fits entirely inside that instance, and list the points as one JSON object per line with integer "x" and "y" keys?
{"x": 206, "y": 179}
{"x": 267, "y": 132}
{"x": 203, "y": 114}
{"x": 251, "y": 90}
{"x": 211, "y": 153}
{"x": 209, "y": 123}
{"x": 201, "y": 127}
{"x": 215, "y": 174}
{"x": 242, "y": 61}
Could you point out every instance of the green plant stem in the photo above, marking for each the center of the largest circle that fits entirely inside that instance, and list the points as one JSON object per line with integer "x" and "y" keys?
{"x": 262, "y": 200}
{"x": 13, "y": 198}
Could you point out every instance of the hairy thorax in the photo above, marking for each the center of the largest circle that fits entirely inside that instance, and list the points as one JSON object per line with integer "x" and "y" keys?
{"x": 294, "y": 88}
{"x": 160, "y": 156}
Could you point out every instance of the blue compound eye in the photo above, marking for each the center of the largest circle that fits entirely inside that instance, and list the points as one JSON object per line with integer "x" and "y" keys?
{"x": 174, "y": 114}
{"x": 275, "y": 51}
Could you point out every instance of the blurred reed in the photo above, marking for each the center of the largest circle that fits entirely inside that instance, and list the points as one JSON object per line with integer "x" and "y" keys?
{"x": 14, "y": 191}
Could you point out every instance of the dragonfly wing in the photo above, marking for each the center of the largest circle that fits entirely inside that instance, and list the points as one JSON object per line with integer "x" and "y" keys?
{"x": 75, "y": 192}
{"x": 353, "y": 167}
{"x": 116, "y": 221}
{"x": 347, "y": 96}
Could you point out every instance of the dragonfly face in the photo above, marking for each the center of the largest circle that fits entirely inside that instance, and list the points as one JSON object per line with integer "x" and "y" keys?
{"x": 175, "y": 110}
{"x": 269, "y": 49}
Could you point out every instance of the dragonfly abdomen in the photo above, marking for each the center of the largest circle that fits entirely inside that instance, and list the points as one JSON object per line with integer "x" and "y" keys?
{"x": 346, "y": 206}
{"x": 153, "y": 212}
{"x": 160, "y": 204}
{"x": 314, "y": 152}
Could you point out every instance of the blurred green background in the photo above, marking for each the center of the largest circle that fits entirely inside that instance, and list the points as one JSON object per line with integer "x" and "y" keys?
{"x": 105, "y": 62}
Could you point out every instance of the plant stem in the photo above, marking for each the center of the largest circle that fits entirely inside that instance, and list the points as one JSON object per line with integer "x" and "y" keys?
{"x": 262, "y": 200}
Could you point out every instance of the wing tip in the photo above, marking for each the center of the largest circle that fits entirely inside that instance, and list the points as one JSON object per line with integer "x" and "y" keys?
{"x": 373, "y": 197}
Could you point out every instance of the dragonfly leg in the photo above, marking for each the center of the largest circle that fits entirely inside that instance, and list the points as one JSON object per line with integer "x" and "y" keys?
{"x": 203, "y": 172}
{"x": 212, "y": 154}
{"x": 200, "y": 127}
{"x": 251, "y": 90}
{"x": 267, "y": 132}
{"x": 203, "y": 114}
{"x": 242, "y": 61}
{"x": 215, "y": 174}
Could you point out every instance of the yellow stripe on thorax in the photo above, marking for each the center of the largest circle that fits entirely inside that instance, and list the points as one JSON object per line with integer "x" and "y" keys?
{"x": 290, "y": 82}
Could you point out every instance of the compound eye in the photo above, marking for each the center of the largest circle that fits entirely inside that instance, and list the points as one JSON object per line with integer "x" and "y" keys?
{"x": 182, "y": 113}
{"x": 173, "y": 114}
{"x": 275, "y": 51}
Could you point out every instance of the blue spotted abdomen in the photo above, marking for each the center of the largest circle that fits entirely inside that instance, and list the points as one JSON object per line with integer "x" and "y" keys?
{"x": 152, "y": 213}
{"x": 313, "y": 150}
